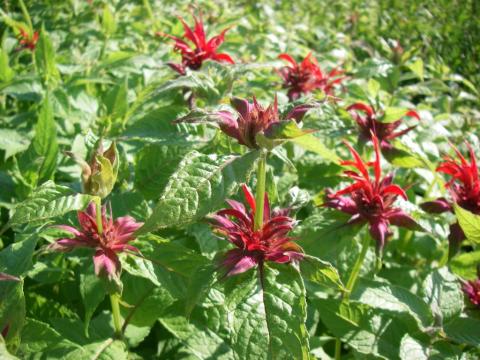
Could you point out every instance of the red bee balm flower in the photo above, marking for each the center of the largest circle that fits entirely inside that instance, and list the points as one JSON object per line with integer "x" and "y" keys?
{"x": 270, "y": 243}
{"x": 366, "y": 118}
{"x": 305, "y": 77}
{"x": 464, "y": 188}
{"x": 27, "y": 41}
{"x": 253, "y": 118}
{"x": 472, "y": 290}
{"x": 114, "y": 239}
{"x": 203, "y": 49}
{"x": 371, "y": 200}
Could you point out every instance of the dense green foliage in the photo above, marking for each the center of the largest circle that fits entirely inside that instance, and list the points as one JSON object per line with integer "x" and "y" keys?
{"x": 98, "y": 74}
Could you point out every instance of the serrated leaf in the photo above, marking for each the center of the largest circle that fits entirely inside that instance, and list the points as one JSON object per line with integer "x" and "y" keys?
{"x": 199, "y": 186}
{"x": 45, "y": 58}
{"x": 411, "y": 348}
{"x": 39, "y": 338}
{"x": 13, "y": 142}
{"x": 154, "y": 164}
{"x": 109, "y": 349}
{"x": 393, "y": 299}
{"x": 442, "y": 291}
{"x": 16, "y": 258}
{"x": 320, "y": 272}
{"x": 469, "y": 222}
{"x": 48, "y": 201}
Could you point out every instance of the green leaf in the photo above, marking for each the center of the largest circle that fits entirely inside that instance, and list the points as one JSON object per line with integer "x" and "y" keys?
{"x": 6, "y": 72}
{"x": 312, "y": 143}
{"x": 154, "y": 164}
{"x": 45, "y": 58}
{"x": 103, "y": 181}
{"x": 199, "y": 340}
{"x": 199, "y": 186}
{"x": 12, "y": 311}
{"x": 92, "y": 292}
{"x": 411, "y": 348}
{"x": 465, "y": 265}
{"x": 199, "y": 283}
{"x": 16, "y": 258}
{"x": 464, "y": 331}
{"x": 38, "y": 163}
{"x": 39, "y": 338}
{"x": 417, "y": 68}
{"x": 402, "y": 158}
{"x": 109, "y": 349}
{"x": 320, "y": 272}
{"x": 287, "y": 334}
{"x": 116, "y": 100}
{"x": 373, "y": 88}
{"x": 392, "y": 114}
{"x": 279, "y": 133}
{"x": 48, "y": 201}
{"x": 13, "y": 142}
{"x": 469, "y": 222}
{"x": 442, "y": 291}
{"x": 109, "y": 25}
{"x": 4, "y": 354}
{"x": 394, "y": 299}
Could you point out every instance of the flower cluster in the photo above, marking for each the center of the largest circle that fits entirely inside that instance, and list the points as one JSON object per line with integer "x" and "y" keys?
{"x": 368, "y": 124}
{"x": 306, "y": 76}
{"x": 202, "y": 50}
{"x": 108, "y": 239}
{"x": 371, "y": 200}
{"x": 27, "y": 40}
{"x": 269, "y": 243}
{"x": 253, "y": 118}
{"x": 464, "y": 189}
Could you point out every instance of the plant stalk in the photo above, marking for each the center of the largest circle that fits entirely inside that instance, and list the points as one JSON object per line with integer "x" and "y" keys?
{"x": 351, "y": 284}
{"x": 260, "y": 191}
{"x": 116, "y": 314}
{"x": 26, "y": 15}
{"x": 98, "y": 202}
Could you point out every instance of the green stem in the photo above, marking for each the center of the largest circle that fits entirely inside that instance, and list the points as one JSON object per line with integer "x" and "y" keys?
{"x": 148, "y": 8}
{"x": 26, "y": 15}
{"x": 98, "y": 202}
{"x": 351, "y": 284}
{"x": 356, "y": 268}
{"x": 260, "y": 194}
{"x": 116, "y": 315}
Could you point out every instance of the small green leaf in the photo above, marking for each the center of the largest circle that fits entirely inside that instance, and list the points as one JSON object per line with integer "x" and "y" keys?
{"x": 6, "y": 72}
{"x": 417, "y": 68}
{"x": 279, "y": 133}
{"x": 312, "y": 143}
{"x": 320, "y": 272}
{"x": 109, "y": 25}
{"x": 199, "y": 186}
{"x": 92, "y": 292}
{"x": 45, "y": 57}
{"x": 116, "y": 100}
{"x": 465, "y": 265}
{"x": 392, "y": 114}
{"x": 469, "y": 222}
{"x": 373, "y": 88}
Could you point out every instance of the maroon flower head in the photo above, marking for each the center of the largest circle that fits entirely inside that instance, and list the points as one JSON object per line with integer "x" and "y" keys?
{"x": 366, "y": 118}
{"x": 305, "y": 77}
{"x": 472, "y": 290}
{"x": 269, "y": 243}
{"x": 371, "y": 199}
{"x": 114, "y": 239}
{"x": 253, "y": 118}
{"x": 201, "y": 49}
{"x": 27, "y": 40}
{"x": 464, "y": 189}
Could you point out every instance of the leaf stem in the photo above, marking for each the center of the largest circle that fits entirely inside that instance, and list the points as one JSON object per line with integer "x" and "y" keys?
{"x": 356, "y": 268}
{"x": 351, "y": 284}
{"x": 116, "y": 315}
{"x": 260, "y": 191}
